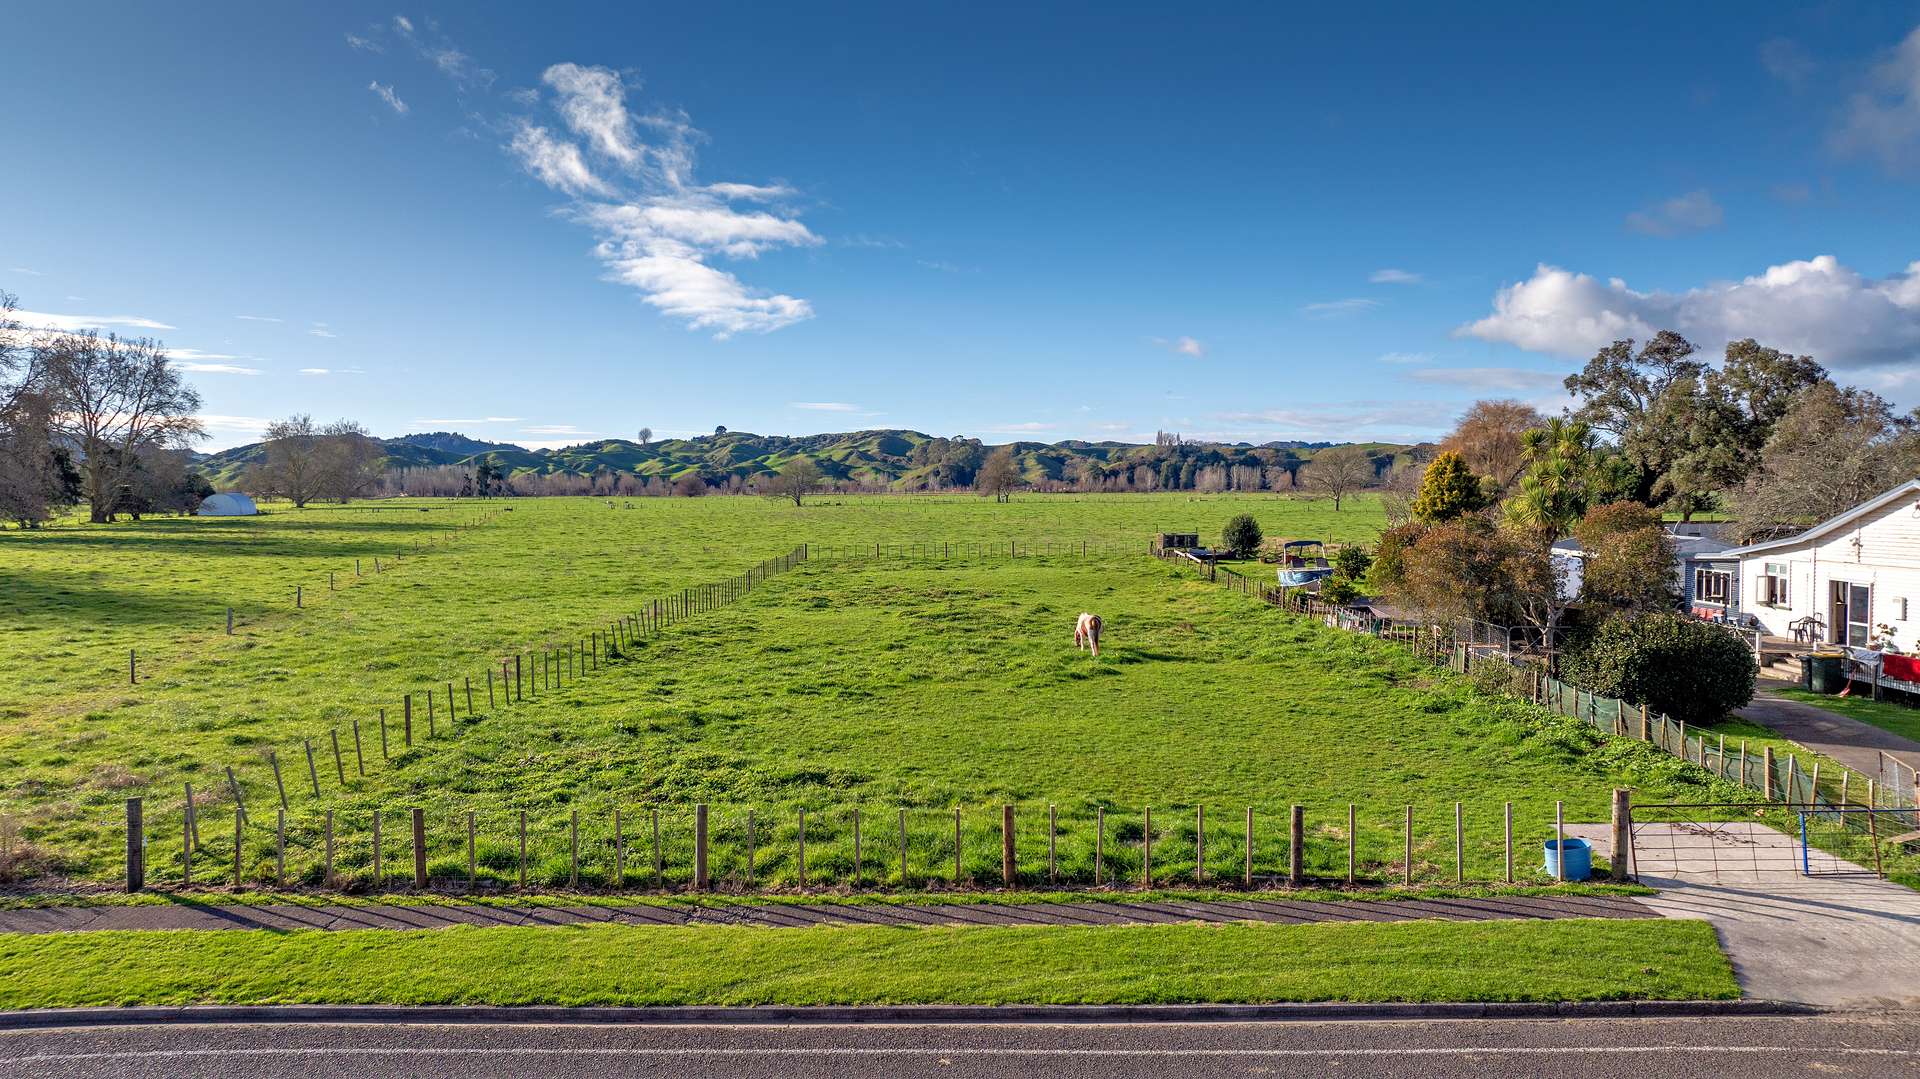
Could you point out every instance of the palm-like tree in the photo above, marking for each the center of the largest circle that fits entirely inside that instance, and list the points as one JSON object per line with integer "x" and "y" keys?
{"x": 1555, "y": 481}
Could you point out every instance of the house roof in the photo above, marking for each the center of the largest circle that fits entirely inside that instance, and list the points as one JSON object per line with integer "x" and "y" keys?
{"x": 1871, "y": 506}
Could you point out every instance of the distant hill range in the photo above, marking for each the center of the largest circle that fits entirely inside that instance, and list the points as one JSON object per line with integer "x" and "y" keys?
{"x": 894, "y": 459}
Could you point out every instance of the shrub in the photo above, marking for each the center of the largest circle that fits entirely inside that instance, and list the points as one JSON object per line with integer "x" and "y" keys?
{"x": 1352, "y": 563}
{"x": 1339, "y": 590}
{"x": 1241, "y": 536}
{"x": 1448, "y": 489}
{"x": 1685, "y": 668}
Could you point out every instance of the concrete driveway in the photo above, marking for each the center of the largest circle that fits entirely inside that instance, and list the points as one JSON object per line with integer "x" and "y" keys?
{"x": 1840, "y": 937}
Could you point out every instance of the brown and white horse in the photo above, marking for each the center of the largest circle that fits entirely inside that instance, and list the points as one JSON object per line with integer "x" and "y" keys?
{"x": 1086, "y": 633}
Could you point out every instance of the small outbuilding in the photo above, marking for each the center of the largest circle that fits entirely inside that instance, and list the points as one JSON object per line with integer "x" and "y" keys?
{"x": 228, "y": 505}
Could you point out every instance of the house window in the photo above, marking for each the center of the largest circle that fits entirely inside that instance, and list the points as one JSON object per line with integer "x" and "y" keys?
{"x": 1712, "y": 586}
{"x": 1773, "y": 585}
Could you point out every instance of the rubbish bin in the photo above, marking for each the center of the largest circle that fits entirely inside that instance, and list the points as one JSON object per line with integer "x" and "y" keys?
{"x": 1806, "y": 671}
{"x": 1829, "y": 673}
{"x": 1577, "y": 853}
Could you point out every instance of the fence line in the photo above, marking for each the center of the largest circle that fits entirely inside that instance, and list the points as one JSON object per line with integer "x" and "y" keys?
{"x": 741, "y": 849}
{"x": 1008, "y": 547}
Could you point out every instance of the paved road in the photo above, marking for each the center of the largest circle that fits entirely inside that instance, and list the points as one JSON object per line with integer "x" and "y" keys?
{"x": 282, "y": 916}
{"x": 1852, "y": 1045}
{"x": 1853, "y": 743}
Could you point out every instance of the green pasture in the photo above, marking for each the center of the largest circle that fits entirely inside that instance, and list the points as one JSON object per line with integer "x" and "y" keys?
{"x": 914, "y": 680}
{"x": 738, "y": 965}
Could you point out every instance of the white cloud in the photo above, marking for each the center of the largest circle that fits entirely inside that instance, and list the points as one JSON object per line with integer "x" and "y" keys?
{"x": 386, "y": 94}
{"x": 1883, "y": 121}
{"x": 25, "y": 270}
{"x": 316, "y": 371}
{"x": 321, "y": 331}
{"x": 825, "y": 406}
{"x": 364, "y": 44}
{"x": 593, "y": 101}
{"x": 1406, "y": 358}
{"x": 1517, "y": 379}
{"x": 1392, "y": 276}
{"x": 1185, "y": 346}
{"x": 1690, "y": 212}
{"x": 553, "y": 162}
{"x": 42, "y": 320}
{"x": 705, "y": 227}
{"x": 864, "y": 240}
{"x": 1814, "y": 306}
{"x": 258, "y": 318}
{"x": 239, "y": 425}
{"x": 404, "y": 24}
{"x": 1336, "y": 308}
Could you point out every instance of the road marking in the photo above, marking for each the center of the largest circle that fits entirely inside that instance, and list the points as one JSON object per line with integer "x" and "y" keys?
{"x": 690, "y": 1051}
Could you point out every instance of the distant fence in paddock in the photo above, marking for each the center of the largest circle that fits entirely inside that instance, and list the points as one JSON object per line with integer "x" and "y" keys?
{"x": 1005, "y": 547}
{"x": 696, "y": 848}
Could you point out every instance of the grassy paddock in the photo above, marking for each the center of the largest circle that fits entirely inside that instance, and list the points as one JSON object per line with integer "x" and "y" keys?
{"x": 1889, "y": 715}
{"x": 729, "y": 965}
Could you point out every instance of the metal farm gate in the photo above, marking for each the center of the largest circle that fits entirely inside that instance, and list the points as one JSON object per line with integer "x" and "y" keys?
{"x": 1735, "y": 843}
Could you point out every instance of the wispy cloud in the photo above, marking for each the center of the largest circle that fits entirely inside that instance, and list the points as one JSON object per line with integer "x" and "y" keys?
{"x": 215, "y": 368}
{"x": 386, "y": 94}
{"x": 1784, "y": 59}
{"x": 1883, "y": 120}
{"x": 864, "y": 240}
{"x": 1690, "y": 212}
{"x": 632, "y": 180}
{"x": 364, "y": 44}
{"x": 320, "y": 329}
{"x": 1392, "y": 276}
{"x": 43, "y": 320}
{"x": 1518, "y": 379}
{"x": 258, "y": 318}
{"x": 25, "y": 270}
{"x": 1337, "y": 308}
{"x": 316, "y": 371}
{"x": 1185, "y": 346}
{"x": 468, "y": 422}
{"x": 1406, "y": 358}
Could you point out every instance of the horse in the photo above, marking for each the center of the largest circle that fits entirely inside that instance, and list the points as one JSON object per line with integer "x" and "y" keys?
{"x": 1086, "y": 633}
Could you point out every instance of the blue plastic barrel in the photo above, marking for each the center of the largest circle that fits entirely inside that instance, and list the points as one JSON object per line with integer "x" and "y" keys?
{"x": 1578, "y": 854}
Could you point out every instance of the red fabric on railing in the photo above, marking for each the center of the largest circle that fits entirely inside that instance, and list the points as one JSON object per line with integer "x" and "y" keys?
{"x": 1905, "y": 668}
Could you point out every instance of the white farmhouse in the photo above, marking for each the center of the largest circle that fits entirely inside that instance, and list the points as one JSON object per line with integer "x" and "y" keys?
{"x": 1840, "y": 581}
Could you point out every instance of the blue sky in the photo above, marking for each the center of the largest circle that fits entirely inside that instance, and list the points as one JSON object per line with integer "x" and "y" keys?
{"x": 549, "y": 225}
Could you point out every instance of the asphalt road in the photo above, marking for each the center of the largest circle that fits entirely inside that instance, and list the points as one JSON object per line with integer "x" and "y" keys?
{"x": 1752, "y": 1048}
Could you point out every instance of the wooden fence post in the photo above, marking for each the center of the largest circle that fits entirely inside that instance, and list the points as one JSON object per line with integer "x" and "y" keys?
{"x": 229, "y": 621}
{"x": 419, "y": 847}
{"x": 1352, "y": 820}
{"x": 274, "y": 759}
{"x": 1766, "y": 772}
{"x": 1007, "y": 875}
{"x": 1507, "y": 819}
{"x": 339, "y": 765}
{"x": 1622, "y": 834}
{"x": 1199, "y": 844}
{"x": 136, "y": 845}
{"x": 1297, "y": 846}
{"x": 313, "y": 774}
{"x": 1146, "y": 849}
{"x": 1246, "y": 877}
{"x": 700, "y": 847}
{"x": 408, "y": 729}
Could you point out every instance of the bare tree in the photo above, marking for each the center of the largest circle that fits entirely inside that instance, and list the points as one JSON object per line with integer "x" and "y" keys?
{"x": 797, "y": 479}
{"x": 646, "y": 435}
{"x": 349, "y": 460}
{"x": 35, "y": 475}
{"x": 292, "y": 469}
{"x": 999, "y": 475}
{"x": 1339, "y": 471}
{"x": 1489, "y": 438}
{"x": 116, "y": 400}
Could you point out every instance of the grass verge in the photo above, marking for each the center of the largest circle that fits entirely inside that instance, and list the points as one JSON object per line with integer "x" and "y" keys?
{"x": 1576, "y": 959}
{"x": 1891, "y": 716}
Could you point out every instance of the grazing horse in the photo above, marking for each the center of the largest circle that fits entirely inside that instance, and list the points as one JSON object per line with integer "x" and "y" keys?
{"x": 1086, "y": 633}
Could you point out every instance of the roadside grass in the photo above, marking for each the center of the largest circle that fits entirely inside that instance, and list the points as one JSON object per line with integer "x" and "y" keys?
{"x": 1901, "y": 719}
{"x": 731, "y": 965}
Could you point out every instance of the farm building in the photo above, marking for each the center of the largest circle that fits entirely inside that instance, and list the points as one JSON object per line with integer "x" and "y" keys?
{"x": 1840, "y": 581}
{"x": 1702, "y": 574}
{"x": 228, "y": 505}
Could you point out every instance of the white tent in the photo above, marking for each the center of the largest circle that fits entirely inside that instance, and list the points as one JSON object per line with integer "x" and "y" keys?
{"x": 228, "y": 505}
